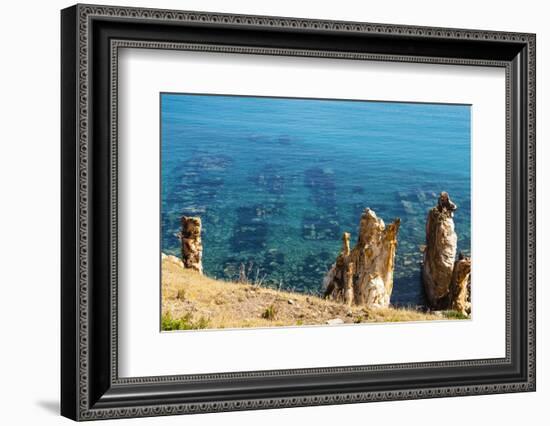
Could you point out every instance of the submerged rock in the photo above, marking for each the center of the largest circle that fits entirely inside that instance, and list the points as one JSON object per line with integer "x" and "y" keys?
{"x": 408, "y": 207}
{"x": 191, "y": 243}
{"x": 364, "y": 275}
{"x": 460, "y": 285}
{"x": 440, "y": 252}
{"x": 250, "y": 230}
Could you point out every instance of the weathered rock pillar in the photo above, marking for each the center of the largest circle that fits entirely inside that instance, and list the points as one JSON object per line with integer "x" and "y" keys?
{"x": 364, "y": 275}
{"x": 191, "y": 243}
{"x": 440, "y": 252}
{"x": 460, "y": 283}
{"x": 348, "y": 291}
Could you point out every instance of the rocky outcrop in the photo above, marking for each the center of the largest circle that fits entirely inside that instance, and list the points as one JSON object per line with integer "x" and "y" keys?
{"x": 440, "y": 252}
{"x": 191, "y": 243}
{"x": 364, "y": 275}
{"x": 460, "y": 285}
{"x": 168, "y": 258}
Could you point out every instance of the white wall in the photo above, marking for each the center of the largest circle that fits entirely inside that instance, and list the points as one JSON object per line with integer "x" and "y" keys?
{"x": 29, "y": 212}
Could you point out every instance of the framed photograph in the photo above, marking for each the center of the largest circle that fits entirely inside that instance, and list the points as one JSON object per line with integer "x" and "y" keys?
{"x": 263, "y": 212}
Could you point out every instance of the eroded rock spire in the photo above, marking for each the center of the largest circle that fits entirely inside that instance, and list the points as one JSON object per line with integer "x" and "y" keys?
{"x": 459, "y": 292}
{"x": 440, "y": 252}
{"x": 363, "y": 275}
{"x": 191, "y": 243}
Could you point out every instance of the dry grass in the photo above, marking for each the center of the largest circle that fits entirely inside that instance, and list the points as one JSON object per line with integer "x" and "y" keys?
{"x": 196, "y": 301}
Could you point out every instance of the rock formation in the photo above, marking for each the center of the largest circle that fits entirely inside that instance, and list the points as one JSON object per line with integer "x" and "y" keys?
{"x": 440, "y": 252}
{"x": 460, "y": 285}
{"x": 172, "y": 259}
{"x": 364, "y": 275}
{"x": 191, "y": 243}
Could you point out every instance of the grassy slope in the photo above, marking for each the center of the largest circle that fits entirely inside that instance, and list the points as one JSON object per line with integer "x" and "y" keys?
{"x": 192, "y": 301}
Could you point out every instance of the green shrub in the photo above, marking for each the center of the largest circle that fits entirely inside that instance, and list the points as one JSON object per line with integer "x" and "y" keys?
{"x": 181, "y": 294}
{"x": 269, "y": 313}
{"x": 454, "y": 315}
{"x": 184, "y": 323}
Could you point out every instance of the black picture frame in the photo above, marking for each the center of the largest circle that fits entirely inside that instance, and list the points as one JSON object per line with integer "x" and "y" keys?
{"x": 90, "y": 386}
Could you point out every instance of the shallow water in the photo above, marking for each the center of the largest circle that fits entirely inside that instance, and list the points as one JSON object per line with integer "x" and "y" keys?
{"x": 277, "y": 181}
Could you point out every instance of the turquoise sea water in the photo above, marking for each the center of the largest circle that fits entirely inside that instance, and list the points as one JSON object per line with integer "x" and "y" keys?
{"x": 277, "y": 181}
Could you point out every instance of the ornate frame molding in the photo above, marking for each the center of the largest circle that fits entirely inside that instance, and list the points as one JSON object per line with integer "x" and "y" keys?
{"x": 82, "y": 16}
